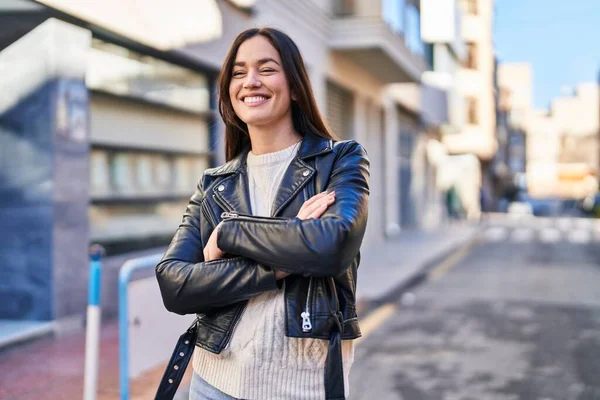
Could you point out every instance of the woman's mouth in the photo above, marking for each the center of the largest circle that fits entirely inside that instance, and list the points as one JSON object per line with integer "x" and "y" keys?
{"x": 255, "y": 100}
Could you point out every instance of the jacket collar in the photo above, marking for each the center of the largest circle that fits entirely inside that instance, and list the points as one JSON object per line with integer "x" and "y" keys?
{"x": 233, "y": 189}
{"x": 312, "y": 145}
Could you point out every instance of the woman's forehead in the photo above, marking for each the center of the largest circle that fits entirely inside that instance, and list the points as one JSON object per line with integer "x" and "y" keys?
{"x": 255, "y": 49}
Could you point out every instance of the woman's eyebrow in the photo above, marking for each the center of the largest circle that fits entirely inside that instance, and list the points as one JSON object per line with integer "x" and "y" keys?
{"x": 259, "y": 62}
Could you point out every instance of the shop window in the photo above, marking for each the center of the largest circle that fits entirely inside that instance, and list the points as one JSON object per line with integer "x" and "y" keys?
{"x": 120, "y": 173}
{"x": 99, "y": 173}
{"x": 144, "y": 173}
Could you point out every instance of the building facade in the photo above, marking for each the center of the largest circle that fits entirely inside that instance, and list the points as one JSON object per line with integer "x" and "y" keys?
{"x": 139, "y": 101}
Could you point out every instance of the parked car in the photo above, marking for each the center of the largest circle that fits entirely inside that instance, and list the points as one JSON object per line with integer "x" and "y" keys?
{"x": 520, "y": 208}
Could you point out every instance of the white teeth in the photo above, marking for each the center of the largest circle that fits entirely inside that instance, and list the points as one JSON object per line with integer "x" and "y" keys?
{"x": 254, "y": 99}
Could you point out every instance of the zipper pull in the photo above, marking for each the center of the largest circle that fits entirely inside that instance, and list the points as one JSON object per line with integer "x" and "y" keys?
{"x": 229, "y": 215}
{"x": 306, "y": 324}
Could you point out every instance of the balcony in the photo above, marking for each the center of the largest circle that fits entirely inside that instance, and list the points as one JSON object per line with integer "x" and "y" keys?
{"x": 361, "y": 33}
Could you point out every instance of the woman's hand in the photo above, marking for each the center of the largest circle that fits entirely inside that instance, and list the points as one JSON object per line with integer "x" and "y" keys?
{"x": 312, "y": 208}
{"x": 211, "y": 250}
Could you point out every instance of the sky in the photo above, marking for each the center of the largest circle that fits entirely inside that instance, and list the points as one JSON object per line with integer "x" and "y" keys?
{"x": 560, "y": 38}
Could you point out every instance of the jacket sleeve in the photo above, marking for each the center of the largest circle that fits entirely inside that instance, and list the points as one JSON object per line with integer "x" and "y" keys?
{"x": 190, "y": 285}
{"x": 314, "y": 247}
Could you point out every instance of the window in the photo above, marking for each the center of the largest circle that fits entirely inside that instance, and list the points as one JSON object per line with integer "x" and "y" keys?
{"x": 472, "y": 110}
{"x": 120, "y": 169}
{"x": 183, "y": 179}
{"x": 392, "y": 12}
{"x": 471, "y": 61}
{"x": 144, "y": 173}
{"x": 120, "y": 71}
{"x": 470, "y": 7}
{"x": 340, "y": 106}
{"x": 163, "y": 173}
{"x": 344, "y": 7}
{"x": 99, "y": 173}
{"x": 413, "y": 30}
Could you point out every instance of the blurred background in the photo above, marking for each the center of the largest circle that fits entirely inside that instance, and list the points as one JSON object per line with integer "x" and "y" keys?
{"x": 481, "y": 119}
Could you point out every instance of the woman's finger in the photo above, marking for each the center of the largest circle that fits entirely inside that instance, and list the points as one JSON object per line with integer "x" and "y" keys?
{"x": 316, "y": 198}
{"x": 318, "y": 208}
{"x": 316, "y": 214}
{"x": 311, "y": 208}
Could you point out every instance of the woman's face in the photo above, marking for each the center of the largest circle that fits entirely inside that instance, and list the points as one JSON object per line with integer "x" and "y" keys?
{"x": 259, "y": 90}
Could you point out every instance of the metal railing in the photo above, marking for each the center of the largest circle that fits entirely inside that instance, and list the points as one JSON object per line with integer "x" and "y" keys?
{"x": 125, "y": 274}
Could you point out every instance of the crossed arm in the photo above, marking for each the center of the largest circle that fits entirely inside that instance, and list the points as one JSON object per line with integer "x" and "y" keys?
{"x": 322, "y": 240}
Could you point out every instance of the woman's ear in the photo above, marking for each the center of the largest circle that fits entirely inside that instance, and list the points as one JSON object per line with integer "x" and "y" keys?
{"x": 294, "y": 97}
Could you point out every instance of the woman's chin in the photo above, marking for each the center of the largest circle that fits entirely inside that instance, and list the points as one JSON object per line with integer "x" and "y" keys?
{"x": 258, "y": 120}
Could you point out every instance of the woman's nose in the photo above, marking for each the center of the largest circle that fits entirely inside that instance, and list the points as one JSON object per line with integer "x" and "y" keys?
{"x": 252, "y": 80}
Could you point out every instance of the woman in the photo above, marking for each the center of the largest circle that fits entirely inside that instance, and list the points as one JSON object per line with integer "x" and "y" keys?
{"x": 273, "y": 280}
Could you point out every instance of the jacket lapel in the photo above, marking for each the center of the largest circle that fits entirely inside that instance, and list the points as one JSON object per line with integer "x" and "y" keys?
{"x": 232, "y": 192}
{"x": 295, "y": 178}
{"x": 299, "y": 173}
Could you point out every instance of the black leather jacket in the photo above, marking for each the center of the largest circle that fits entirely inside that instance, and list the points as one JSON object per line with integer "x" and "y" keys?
{"x": 318, "y": 253}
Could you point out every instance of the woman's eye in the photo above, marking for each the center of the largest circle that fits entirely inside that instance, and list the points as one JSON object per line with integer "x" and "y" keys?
{"x": 267, "y": 70}
{"x": 238, "y": 73}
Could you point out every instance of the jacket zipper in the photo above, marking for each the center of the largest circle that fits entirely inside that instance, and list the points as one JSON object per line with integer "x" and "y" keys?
{"x": 227, "y": 215}
{"x": 305, "y": 315}
{"x": 306, "y": 323}
{"x": 208, "y": 214}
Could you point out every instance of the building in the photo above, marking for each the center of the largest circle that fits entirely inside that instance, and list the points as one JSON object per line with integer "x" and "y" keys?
{"x": 578, "y": 124}
{"x": 514, "y": 107}
{"x": 471, "y": 131}
{"x": 476, "y": 81}
{"x": 564, "y": 146}
{"x": 125, "y": 124}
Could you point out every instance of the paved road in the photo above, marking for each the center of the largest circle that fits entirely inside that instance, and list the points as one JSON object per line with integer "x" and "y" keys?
{"x": 517, "y": 318}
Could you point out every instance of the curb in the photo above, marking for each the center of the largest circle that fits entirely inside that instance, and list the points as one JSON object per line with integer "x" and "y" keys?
{"x": 26, "y": 335}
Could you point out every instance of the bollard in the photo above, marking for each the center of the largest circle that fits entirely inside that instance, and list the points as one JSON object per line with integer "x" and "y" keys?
{"x": 92, "y": 334}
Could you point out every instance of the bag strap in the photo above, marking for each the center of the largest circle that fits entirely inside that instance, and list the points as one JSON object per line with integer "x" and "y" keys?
{"x": 334, "y": 367}
{"x": 177, "y": 364}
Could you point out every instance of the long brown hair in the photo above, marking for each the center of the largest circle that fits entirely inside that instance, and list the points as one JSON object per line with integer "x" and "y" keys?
{"x": 305, "y": 113}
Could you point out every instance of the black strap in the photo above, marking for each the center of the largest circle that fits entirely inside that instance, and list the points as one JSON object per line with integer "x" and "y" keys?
{"x": 177, "y": 364}
{"x": 334, "y": 367}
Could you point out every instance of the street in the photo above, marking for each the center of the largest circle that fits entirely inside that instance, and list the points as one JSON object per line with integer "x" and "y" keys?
{"x": 517, "y": 318}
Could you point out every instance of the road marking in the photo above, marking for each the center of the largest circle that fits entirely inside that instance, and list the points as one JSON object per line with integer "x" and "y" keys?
{"x": 496, "y": 234}
{"x": 522, "y": 235}
{"x": 550, "y": 235}
{"x": 584, "y": 223}
{"x": 375, "y": 319}
{"x": 450, "y": 262}
{"x": 564, "y": 223}
{"x": 579, "y": 236}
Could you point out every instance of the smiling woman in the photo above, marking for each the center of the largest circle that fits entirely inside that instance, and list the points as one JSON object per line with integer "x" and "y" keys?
{"x": 273, "y": 280}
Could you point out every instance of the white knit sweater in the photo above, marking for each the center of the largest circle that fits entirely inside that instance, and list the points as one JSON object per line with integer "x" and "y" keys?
{"x": 261, "y": 363}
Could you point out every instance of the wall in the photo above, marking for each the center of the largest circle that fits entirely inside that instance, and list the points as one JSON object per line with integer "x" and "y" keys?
{"x": 44, "y": 144}
{"x": 479, "y": 83}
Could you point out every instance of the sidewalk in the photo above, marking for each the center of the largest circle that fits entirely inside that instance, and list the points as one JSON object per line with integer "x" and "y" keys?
{"x": 52, "y": 368}
{"x": 392, "y": 265}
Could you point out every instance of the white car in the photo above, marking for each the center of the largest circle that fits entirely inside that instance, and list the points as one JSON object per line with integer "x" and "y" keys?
{"x": 519, "y": 208}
